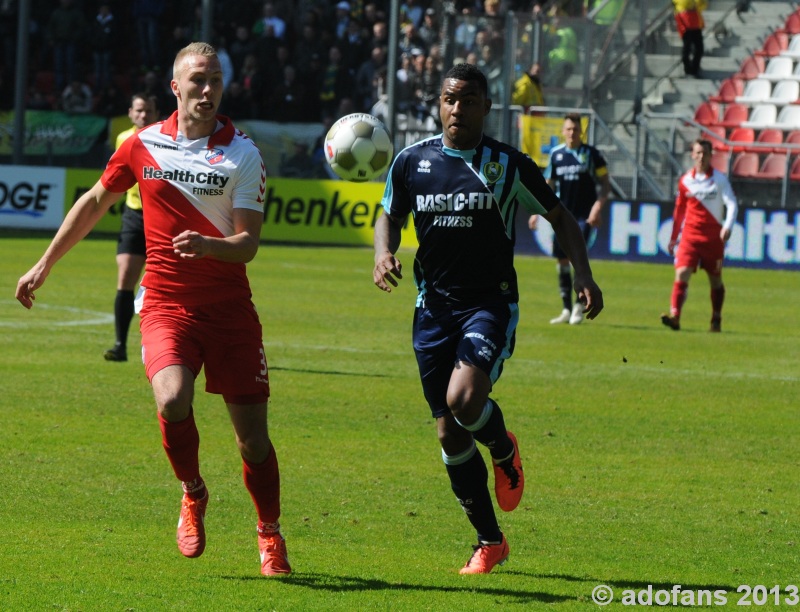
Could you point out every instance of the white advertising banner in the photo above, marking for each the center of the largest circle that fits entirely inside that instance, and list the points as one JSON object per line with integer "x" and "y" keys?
{"x": 32, "y": 197}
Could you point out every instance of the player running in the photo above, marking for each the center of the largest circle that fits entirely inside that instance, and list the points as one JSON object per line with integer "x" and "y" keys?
{"x": 463, "y": 189}
{"x": 202, "y": 184}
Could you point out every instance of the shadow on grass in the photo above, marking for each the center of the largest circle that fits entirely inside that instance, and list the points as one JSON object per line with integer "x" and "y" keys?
{"x": 628, "y": 584}
{"x": 697, "y": 329}
{"x": 656, "y": 327}
{"x": 328, "y": 372}
{"x": 344, "y": 584}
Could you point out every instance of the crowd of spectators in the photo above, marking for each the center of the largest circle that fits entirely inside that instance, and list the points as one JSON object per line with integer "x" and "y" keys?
{"x": 283, "y": 60}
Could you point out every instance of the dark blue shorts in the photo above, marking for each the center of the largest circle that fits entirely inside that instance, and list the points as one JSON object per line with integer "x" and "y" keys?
{"x": 481, "y": 336}
{"x": 589, "y": 235}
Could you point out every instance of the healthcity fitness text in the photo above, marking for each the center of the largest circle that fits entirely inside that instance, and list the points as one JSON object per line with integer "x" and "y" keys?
{"x": 744, "y": 595}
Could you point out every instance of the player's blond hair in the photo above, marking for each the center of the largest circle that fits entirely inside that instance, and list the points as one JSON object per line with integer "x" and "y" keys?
{"x": 195, "y": 48}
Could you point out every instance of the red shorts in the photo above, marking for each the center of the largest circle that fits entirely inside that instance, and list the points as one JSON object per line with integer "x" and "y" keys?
{"x": 224, "y": 337}
{"x": 707, "y": 254}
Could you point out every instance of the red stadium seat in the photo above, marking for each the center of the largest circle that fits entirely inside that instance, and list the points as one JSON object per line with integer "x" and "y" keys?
{"x": 793, "y": 138}
{"x": 794, "y": 171}
{"x": 741, "y": 138}
{"x": 770, "y": 136}
{"x": 728, "y": 90}
{"x": 792, "y": 24}
{"x": 716, "y": 134}
{"x": 775, "y": 43}
{"x": 773, "y": 166}
{"x": 707, "y": 113}
{"x": 751, "y": 67}
{"x": 721, "y": 160}
{"x": 734, "y": 115}
{"x": 745, "y": 165}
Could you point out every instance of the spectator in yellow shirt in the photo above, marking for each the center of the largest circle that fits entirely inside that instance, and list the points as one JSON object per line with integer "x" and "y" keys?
{"x": 528, "y": 88}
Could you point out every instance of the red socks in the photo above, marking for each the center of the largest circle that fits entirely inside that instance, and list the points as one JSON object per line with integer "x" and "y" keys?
{"x": 263, "y": 482}
{"x": 679, "y": 291}
{"x": 182, "y": 442}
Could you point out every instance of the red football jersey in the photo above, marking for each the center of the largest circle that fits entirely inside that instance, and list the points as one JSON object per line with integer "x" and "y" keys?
{"x": 190, "y": 185}
{"x": 699, "y": 206}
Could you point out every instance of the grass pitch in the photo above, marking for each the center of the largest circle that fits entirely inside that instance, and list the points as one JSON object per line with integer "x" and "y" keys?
{"x": 652, "y": 457}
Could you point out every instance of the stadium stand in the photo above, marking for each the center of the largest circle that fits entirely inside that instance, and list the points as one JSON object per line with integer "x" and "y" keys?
{"x": 777, "y": 35}
{"x": 758, "y": 108}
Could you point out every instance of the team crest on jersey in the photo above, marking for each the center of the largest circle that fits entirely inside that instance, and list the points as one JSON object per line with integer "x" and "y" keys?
{"x": 214, "y": 156}
{"x": 492, "y": 171}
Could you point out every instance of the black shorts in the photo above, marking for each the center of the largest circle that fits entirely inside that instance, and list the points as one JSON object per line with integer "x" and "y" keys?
{"x": 481, "y": 336}
{"x": 131, "y": 236}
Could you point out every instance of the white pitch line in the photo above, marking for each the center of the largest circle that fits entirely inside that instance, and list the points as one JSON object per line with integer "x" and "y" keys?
{"x": 97, "y": 318}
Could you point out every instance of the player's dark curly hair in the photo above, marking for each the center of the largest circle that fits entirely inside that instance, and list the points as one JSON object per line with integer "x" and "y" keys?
{"x": 468, "y": 72}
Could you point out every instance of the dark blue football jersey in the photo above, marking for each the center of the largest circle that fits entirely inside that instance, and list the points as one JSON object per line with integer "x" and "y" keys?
{"x": 464, "y": 204}
{"x": 575, "y": 173}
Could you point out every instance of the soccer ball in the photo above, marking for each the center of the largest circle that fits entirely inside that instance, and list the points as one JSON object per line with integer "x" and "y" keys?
{"x": 358, "y": 147}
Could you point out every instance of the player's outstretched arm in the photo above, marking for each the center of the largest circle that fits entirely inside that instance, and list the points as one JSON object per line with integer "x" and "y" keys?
{"x": 81, "y": 218}
{"x": 388, "y": 268}
{"x": 571, "y": 240}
